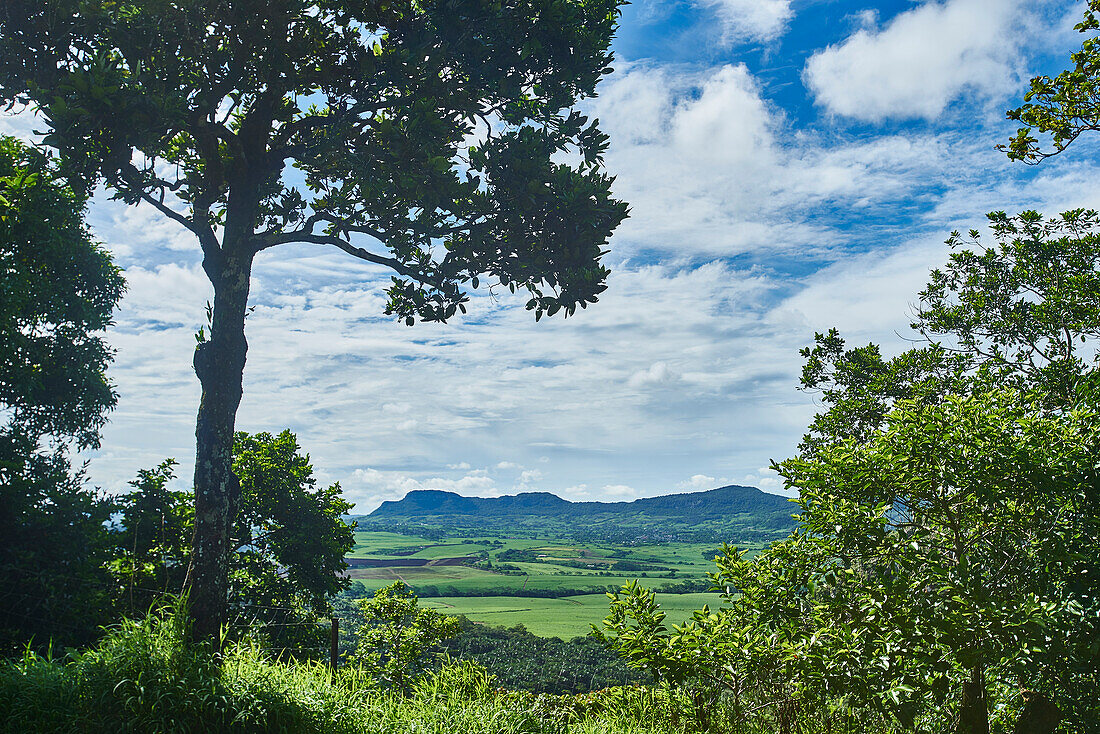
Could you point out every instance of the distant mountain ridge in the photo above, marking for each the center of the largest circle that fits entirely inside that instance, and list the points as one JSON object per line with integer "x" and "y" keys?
{"x": 732, "y": 508}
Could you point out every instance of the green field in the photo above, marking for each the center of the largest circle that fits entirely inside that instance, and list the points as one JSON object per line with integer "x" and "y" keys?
{"x": 495, "y": 569}
{"x": 567, "y": 617}
{"x": 687, "y": 557}
{"x": 465, "y": 579}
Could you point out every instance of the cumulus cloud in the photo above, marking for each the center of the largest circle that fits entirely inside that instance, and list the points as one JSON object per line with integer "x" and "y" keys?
{"x": 656, "y": 374}
{"x": 750, "y": 20}
{"x": 575, "y": 493}
{"x": 619, "y": 491}
{"x": 689, "y": 147}
{"x": 369, "y": 487}
{"x": 697, "y": 483}
{"x": 711, "y": 169}
{"x": 920, "y": 61}
{"x": 767, "y": 479}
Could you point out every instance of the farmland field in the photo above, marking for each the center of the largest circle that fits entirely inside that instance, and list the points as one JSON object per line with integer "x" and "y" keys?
{"x": 568, "y": 617}
{"x": 552, "y": 586}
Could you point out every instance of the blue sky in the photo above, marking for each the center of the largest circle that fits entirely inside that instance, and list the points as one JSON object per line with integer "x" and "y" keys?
{"x": 790, "y": 166}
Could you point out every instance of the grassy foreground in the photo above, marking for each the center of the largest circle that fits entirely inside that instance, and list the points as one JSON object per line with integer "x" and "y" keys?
{"x": 143, "y": 677}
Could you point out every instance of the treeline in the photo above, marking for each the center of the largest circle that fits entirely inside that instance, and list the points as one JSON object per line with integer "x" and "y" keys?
{"x": 530, "y": 556}
{"x": 404, "y": 528}
{"x": 642, "y": 534}
{"x": 689, "y": 586}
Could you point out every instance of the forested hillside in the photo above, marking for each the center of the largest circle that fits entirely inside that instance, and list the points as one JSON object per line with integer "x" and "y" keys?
{"x": 723, "y": 513}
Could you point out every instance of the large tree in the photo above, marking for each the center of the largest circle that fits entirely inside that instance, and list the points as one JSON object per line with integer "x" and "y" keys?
{"x": 1018, "y": 316}
{"x": 58, "y": 289}
{"x": 436, "y": 139}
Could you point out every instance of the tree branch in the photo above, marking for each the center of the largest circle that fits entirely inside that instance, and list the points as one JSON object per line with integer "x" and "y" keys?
{"x": 131, "y": 176}
{"x": 302, "y": 235}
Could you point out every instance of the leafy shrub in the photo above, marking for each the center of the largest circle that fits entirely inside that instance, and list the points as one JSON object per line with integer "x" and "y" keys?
{"x": 398, "y": 640}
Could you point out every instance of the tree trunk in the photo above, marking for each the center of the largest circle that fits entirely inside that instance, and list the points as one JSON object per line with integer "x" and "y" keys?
{"x": 219, "y": 364}
{"x": 974, "y": 711}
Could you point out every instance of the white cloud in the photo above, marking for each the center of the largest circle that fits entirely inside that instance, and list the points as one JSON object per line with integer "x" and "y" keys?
{"x": 711, "y": 169}
{"x": 656, "y": 374}
{"x": 619, "y": 491}
{"x": 728, "y": 124}
{"x": 697, "y": 483}
{"x": 693, "y": 152}
{"x": 767, "y": 479}
{"x": 867, "y": 296}
{"x": 369, "y": 487}
{"x": 921, "y": 60}
{"x": 578, "y": 492}
{"x": 750, "y": 20}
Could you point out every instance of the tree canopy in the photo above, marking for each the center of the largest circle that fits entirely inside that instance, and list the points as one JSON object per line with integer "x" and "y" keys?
{"x": 398, "y": 640}
{"x": 289, "y": 539}
{"x": 58, "y": 289}
{"x": 1063, "y": 107}
{"x": 152, "y": 538}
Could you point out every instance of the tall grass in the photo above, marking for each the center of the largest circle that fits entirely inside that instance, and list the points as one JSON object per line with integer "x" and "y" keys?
{"x": 144, "y": 676}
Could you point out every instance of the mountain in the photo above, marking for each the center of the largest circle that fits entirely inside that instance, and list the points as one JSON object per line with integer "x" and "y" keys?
{"x": 732, "y": 511}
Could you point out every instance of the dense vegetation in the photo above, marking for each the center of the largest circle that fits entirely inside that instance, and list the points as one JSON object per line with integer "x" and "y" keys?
{"x": 522, "y": 661}
{"x": 288, "y": 542}
{"x": 943, "y": 574}
{"x": 518, "y": 659}
{"x": 147, "y": 676}
{"x": 58, "y": 289}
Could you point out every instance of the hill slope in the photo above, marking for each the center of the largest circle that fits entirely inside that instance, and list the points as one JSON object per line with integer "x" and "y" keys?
{"x": 733, "y": 511}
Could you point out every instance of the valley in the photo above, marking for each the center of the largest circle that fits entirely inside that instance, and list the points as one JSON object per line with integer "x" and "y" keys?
{"x": 545, "y": 563}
